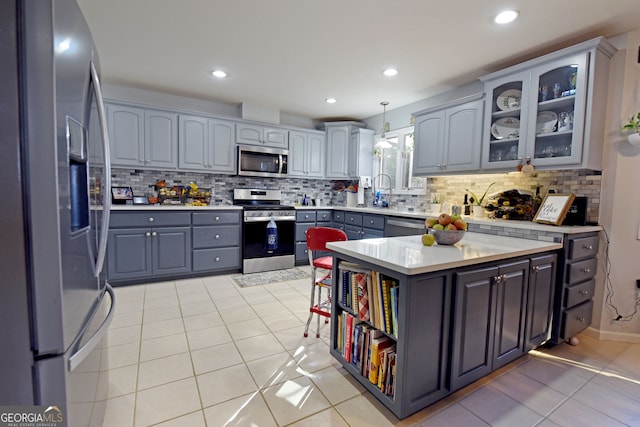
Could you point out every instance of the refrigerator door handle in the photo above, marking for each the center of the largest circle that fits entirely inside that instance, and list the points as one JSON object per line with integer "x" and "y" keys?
{"x": 82, "y": 353}
{"x": 106, "y": 202}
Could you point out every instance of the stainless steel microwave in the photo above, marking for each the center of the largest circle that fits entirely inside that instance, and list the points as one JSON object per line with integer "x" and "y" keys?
{"x": 262, "y": 161}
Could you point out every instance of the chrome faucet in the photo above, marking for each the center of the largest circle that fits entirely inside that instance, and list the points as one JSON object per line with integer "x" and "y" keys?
{"x": 374, "y": 185}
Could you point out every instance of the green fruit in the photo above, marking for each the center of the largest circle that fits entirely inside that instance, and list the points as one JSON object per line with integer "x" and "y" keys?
{"x": 438, "y": 227}
{"x": 430, "y": 222}
{"x": 428, "y": 239}
{"x": 454, "y": 218}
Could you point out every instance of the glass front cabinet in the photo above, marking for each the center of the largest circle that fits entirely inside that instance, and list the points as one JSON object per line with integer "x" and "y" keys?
{"x": 548, "y": 111}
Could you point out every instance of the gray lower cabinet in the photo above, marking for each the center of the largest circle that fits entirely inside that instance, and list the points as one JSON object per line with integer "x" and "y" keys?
{"x": 363, "y": 226}
{"x": 305, "y": 219}
{"x": 542, "y": 279}
{"x": 454, "y": 326}
{"x": 575, "y": 285}
{"x": 146, "y": 252}
{"x": 216, "y": 241}
{"x": 489, "y": 320}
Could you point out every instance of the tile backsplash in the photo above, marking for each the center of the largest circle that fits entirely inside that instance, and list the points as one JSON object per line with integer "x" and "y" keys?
{"x": 449, "y": 188}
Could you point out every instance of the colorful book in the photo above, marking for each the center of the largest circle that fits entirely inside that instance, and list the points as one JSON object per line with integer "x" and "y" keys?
{"x": 377, "y": 345}
{"x": 394, "y": 309}
{"x": 348, "y": 338}
{"x": 386, "y": 297}
{"x": 383, "y": 369}
{"x": 363, "y": 296}
{"x": 372, "y": 315}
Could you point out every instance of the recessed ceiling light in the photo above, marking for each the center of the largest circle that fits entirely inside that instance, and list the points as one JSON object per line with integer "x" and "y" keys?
{"x": 390, "y": 72}
{"x": 219, "y": 74}
{"x": 506, "y": 16}
{"x": 330, "y": 100}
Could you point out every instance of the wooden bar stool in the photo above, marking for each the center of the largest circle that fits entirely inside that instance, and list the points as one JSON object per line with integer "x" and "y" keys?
{"x": 317, "y": 239}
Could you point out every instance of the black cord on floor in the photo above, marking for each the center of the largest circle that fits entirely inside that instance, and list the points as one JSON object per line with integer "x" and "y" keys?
{"x": 607, "y": 281}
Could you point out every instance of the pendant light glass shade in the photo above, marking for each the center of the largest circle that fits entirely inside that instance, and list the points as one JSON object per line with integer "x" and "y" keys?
{"x": 382, "y": 142}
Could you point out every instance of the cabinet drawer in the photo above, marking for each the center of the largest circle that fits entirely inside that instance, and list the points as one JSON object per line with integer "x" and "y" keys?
{"x": 215, "y": 218}
{"x": 215, "y": 237}
{"x": 576, "y": 294}
{"x": 216, "y": 259}
{"x": 323, "y": 216}
{"x": 149, "y": 219}
{"x": 338, "y": 216}
{"x": 581, "y": 270}
{"x": 353, "y": 219}
{"x": 301, "y": 231}
{"x": 583, "y": 247}
{"x": 373, "y": 221}
{"x": 306, "y": 216}
{"x": 576, "y": 319}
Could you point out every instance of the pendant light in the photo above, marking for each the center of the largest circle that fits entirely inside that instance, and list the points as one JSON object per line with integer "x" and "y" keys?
{"x": 382, "y": 142}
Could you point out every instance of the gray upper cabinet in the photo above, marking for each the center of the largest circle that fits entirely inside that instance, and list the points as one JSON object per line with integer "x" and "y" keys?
{"x": 547, "y": 110}
{"x": 349, "y": 150}
{"x": 306, "y": 154}
{"x": 142, "y": 138}
{"x": 207, "y": 144}
{"x": 267, "y": 136}
{"x": 448, "y": 139}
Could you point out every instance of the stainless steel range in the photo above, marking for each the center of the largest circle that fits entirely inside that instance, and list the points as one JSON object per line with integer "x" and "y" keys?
{"x": 258, "y": 253}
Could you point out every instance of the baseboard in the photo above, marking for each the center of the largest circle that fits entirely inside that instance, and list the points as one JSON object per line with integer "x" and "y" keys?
{"x": 612, "y": 336}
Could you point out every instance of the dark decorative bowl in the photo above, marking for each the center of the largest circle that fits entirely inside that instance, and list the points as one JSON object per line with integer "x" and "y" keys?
{"x": 447, "y": 237}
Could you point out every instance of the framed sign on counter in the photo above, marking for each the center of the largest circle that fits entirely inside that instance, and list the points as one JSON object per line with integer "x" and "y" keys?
{"x": 554, "y": 208}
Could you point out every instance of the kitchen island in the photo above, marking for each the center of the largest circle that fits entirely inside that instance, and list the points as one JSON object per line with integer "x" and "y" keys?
{"x": 447, "y": 315}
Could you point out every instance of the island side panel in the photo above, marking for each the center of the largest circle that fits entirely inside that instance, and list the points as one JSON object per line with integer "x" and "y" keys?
{"x": 425, "y": 310}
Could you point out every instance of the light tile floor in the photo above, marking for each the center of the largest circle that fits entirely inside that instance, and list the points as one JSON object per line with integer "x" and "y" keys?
{"x": 205, "y": 352}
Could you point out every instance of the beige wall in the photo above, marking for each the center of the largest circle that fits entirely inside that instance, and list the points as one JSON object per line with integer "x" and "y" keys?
{"x": 620, "y": 203}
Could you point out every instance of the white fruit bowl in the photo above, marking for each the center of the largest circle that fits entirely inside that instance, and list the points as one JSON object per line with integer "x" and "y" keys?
{"x": 447, "y": 237}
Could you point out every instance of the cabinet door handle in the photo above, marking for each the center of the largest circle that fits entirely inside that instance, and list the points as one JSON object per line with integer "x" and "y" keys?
{"x": 148, "y": 234}
{"x": 535, "y": 268}
{"x": 217, "y": 236}
{"x": 498, "y": 279}
{"x": 150, "y": 219}
{"x": 154, "y": 234}
{"x": 588, "y": 247}
{"x": 585, "y": 293}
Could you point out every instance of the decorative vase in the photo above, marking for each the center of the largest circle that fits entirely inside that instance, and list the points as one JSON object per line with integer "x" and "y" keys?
{"x": 634, "y": 139}
{"x": 478, "y": 211}
{"x": 434, "y": 207}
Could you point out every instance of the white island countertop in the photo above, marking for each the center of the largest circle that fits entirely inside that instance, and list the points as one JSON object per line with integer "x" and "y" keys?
{"x": 407, "y": 255}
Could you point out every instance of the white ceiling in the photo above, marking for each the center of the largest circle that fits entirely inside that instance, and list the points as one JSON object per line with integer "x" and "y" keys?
{"x": 292, "y": 54}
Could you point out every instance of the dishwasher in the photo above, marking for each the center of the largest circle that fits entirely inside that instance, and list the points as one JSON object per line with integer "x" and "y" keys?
{"x": 404, "y": 227}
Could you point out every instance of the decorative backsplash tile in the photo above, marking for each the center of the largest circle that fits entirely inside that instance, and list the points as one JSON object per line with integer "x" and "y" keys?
{"x": 450, "y": 188}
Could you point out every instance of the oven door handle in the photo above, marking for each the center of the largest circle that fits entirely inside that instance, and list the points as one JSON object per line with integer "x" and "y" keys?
{"x": 268, "y": 218}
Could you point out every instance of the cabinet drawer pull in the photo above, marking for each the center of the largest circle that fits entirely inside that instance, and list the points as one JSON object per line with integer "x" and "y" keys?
{"x": 217, "y": 258}
{"x": 217, "y": 218}
{"x": 585, "y": 293}
{"x": 306, "y": 217}
{"x": 150, "y": 219}
{"x": 217, "y": 236}
{"x": 580, "y": 319}
{"x": 588, "y": 247}
{"x": 148, "y": 234}
{"x": 586, "y": 270}
{"x": 371, "y": 222}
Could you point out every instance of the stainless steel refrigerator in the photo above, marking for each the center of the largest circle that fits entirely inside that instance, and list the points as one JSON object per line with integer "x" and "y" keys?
{"x": 55, "y": 304}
